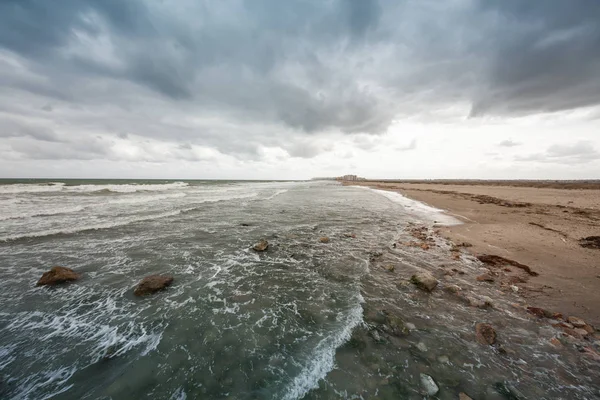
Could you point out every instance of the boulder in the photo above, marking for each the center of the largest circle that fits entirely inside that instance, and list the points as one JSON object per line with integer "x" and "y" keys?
{"x": 58, "y": 275}
{"x": 428, "y": 385}
{"x": 324, "y": 239}
{"x": 576, "y": 322}
{"x": 486, "y": 334}
{"x": 424, "y": 281}
{"x": 261, "y": 246}
{"x": 152, "y": 284}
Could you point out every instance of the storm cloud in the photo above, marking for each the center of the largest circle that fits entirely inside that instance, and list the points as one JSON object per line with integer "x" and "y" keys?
{"x": 98, "y": 78}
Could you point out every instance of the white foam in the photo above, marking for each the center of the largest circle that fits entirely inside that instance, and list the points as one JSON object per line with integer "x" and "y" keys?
{"x": 416, "y": 207}
{"x": 84, "y": 228}
{"x": 62, "y": 187}
{"x": 277, "y": 193}
{"x": 323, "y": 358}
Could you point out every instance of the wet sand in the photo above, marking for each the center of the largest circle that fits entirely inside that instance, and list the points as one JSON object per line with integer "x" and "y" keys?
{"x": 539, "y": 225}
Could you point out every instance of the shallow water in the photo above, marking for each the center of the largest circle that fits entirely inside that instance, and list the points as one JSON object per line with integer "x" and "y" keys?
{"x": 302, "y": 320}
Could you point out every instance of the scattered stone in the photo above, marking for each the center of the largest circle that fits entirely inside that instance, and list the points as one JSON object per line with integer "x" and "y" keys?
{"x": 261, "y": 246}
{"x": 396, "y": 326}
{"x": 58, "y": 275}
{"x": 152, "y": 284}
{"x": 509, "y": 391}
{"x": 422, "y": 347}
{"x": 324, "y": 239}
{"x": 485, "y": 333}
{"x": 463, "y": 396}
{"x": 424, "y": 281}
{"x": 443, "y": 360}
{"x": 514, "y": 288}
{"x": 452, "y": 289}
{"x": 590, "y": 242}
{"x": 588, "y": 329}
{"x": 591, "y": 353}
{"x": 576, "y": 322}
{"x": 424, "y": 246}
{"x": 460, "y": 272}
{"x": 480, "y": 302}
{"x": 555, "y": 342}
{"x": 375, "y": 335}
{"x": 506, "y": 351}
{"x": 574, "y": 332}
{"x": 485, "y": 278}
{"x": 244, "y": 224}
{"x": 350, "y": 235}
{"x": 539, "y": 312}
{"x": 410, "y": 326}
{"x": 566, "y": 325}
{"x": 389, "y": 268}
{"x": 428, "y": 384}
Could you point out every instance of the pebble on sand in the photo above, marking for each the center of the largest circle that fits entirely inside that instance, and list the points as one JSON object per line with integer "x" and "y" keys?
{"x": 261, "y": 246}
{"x": 424, "y": 281}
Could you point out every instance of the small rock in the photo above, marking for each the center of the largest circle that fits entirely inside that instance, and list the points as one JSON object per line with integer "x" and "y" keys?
{"x": 452, "y": 288}
{"x": 324, "y": 239}
{"x": 591, "y": 353}
{"x": 485, "y": 333}
{"x": 152, "y": 284}
{"x": 389, "y": 268}
{"x": 444, "y": 360}
{"x": 58, "y": 275}
{"x": 576, "y": 322}
{"x": 514, "y": 288}
{"x": 422, "y": 347}
{"x": 574, "y": 332}
{"x": 410, "y": 326}
{"x": 485, "y": 278}
{"x": 428, "y": 385}
{"x": 424, "y": 281}
{"x": 463, "y": 396}
{"x": 588, "y": 329}
{"x": 261, "y": 246}
{"x": 424, "y": 246}
{"x": 350, "y": 235}
{"x": 539, "y": 312}
{"x": 375, "y": 335}
{"x": 566, "y": 325}
{"x": 555, "y": 342}
{"x": 581, "y": 331}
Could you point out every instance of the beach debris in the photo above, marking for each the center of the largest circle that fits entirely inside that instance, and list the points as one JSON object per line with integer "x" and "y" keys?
{"x": 576, "y": 322}
{"x": 262, "y": 245}
{"x": 424, "y": 281}
{"x": 590, "y": 242}
{"x": 463, "y": 396}
{"x": 498, "y": 261}
{"x": 58, "y": 275}
{"x": 485, "y": 333}
{"x": 389, "y": 268}
{"x": 152, "y": 284}
{"x": 487, "y": 277}
{"x": 324, "y": 239}
{"x": 428, "y": 385}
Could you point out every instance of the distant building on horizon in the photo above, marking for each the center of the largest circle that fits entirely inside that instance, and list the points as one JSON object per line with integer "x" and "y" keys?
{"x": 350, "y": 178}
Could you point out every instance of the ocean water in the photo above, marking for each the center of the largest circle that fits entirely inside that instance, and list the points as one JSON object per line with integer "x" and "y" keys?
{"x": 303, "y": 320}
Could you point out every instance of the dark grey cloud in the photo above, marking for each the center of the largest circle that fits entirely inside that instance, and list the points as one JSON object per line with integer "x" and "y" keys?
{"x": 577, "y": 153}
{"x": 273, "y": 72}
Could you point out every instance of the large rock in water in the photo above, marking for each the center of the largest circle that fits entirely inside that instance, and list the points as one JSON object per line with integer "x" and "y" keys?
{"x": 58, "y": 275}
{"x": 424, "y": 281}
{"x": 261, "y": 246}
{"x": 486, "y": 334}
{"x": 429, "y": 386}
{"x": 152, "y": 284}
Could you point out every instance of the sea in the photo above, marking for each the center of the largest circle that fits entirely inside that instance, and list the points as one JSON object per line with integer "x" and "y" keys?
{"x": 306, "y": 319}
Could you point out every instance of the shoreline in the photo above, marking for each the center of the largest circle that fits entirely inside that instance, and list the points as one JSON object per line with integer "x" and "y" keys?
{"x": 536, "y": 227}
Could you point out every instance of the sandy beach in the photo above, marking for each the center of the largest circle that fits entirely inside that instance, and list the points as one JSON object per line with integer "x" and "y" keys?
{"x": 539, "y": 225}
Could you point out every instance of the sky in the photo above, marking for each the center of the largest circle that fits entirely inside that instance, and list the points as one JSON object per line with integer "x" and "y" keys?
{"x": 271, "y": 89}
